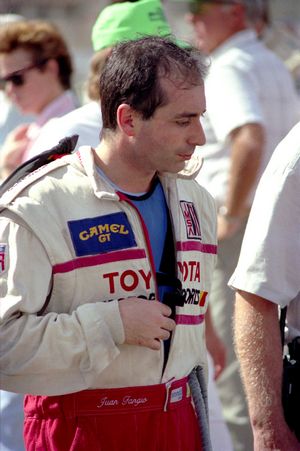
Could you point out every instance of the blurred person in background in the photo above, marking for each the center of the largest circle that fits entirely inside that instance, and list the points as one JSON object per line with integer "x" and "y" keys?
{"x": 35, "y": 72}
{"x": 115, "y": 23}
{"x": 10, "y": 117}
{"x": 251, "y": 105}
{"x": 261, "y": 19}
{"x": 282, "y": 37}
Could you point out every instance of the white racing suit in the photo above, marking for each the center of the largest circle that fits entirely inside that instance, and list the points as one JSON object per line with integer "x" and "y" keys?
{"x": 64, "y": 231}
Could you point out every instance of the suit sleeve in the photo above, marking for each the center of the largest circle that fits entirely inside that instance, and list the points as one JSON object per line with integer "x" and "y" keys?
{"x": 75, "y": 345}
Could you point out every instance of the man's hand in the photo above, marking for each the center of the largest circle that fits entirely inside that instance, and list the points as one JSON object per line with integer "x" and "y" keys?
{"x": 146, "y": 322}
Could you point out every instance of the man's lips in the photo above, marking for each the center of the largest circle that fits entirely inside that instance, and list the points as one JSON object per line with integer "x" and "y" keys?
{"x": 185, "y": 156}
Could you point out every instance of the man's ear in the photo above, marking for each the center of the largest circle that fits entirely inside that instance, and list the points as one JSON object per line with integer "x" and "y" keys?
{"x": 126, "y": 117}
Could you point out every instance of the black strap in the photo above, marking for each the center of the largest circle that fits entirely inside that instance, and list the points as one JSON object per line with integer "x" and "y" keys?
{"x": 282, "y": 319}
{"x": 166, "y": 276}
{"x": 64, "y": 147}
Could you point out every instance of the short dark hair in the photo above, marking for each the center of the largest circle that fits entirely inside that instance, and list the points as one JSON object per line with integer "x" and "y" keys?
{"x": 132, "y": 75}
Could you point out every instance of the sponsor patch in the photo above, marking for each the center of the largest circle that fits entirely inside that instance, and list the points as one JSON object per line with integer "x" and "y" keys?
{"x": 176, "y": 395}
{"x": 107, "y": 233}
{"x": 191, "y": 220}
{"x": 3, "y": 254}
{"x": 194, "y": 297}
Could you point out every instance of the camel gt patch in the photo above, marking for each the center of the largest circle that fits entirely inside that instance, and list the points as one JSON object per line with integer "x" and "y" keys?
{"x": 101, "y": 234}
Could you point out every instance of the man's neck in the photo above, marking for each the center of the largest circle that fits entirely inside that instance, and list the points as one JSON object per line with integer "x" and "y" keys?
{"x": 111, "y": 159}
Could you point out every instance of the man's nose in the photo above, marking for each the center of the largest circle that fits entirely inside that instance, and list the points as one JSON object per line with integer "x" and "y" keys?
{"x": 197, "y": 137}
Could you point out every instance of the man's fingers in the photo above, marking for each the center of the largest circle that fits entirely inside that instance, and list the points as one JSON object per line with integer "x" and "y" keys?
{"x": 169, "y": 324}
{"x": 155, "y": 344}
{"x": 164, "y": 335}
{"x": 146, "y": 323}
{"x": 165, "y": 310}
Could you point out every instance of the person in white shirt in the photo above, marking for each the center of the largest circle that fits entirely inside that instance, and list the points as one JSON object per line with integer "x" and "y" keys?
{"x": 267, "y": 277}
{"x": 251, "y": 105}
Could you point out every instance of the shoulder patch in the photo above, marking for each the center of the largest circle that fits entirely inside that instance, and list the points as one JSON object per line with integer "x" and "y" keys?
{"x": 191, "y": 220}
{"x": 101, "y": 234}
{"x": 3, "y": 257}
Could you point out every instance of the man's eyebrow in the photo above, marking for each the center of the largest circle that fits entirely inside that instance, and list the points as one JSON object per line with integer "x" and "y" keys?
{"x": 188, "y": 114}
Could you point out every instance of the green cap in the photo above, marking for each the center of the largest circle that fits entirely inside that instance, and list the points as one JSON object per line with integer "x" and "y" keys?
{"x": 128, "y": 21}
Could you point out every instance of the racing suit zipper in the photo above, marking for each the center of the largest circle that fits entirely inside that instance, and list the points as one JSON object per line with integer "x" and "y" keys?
{"x": 177, "y": 203}
{"x": 124, "y": 198}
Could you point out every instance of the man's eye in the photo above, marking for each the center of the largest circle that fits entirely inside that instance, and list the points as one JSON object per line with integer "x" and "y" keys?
{"x": 183, "y": 123}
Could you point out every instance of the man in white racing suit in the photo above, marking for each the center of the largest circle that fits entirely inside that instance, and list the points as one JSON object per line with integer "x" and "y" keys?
{"x": 106, "y": 263}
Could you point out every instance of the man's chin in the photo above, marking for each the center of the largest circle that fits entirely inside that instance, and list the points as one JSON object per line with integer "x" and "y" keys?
{"x": 177, "y": 168}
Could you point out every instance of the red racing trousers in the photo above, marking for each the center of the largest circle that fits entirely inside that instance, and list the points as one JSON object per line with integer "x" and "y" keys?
{"x": 151, "y": 418}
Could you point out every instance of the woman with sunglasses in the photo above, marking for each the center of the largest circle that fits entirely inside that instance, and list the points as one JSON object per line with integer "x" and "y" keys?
{"x": 35, "y": 72}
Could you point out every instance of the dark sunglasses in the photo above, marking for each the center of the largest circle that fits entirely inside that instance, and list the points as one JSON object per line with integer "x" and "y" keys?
{"x": 17, "y": 78}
